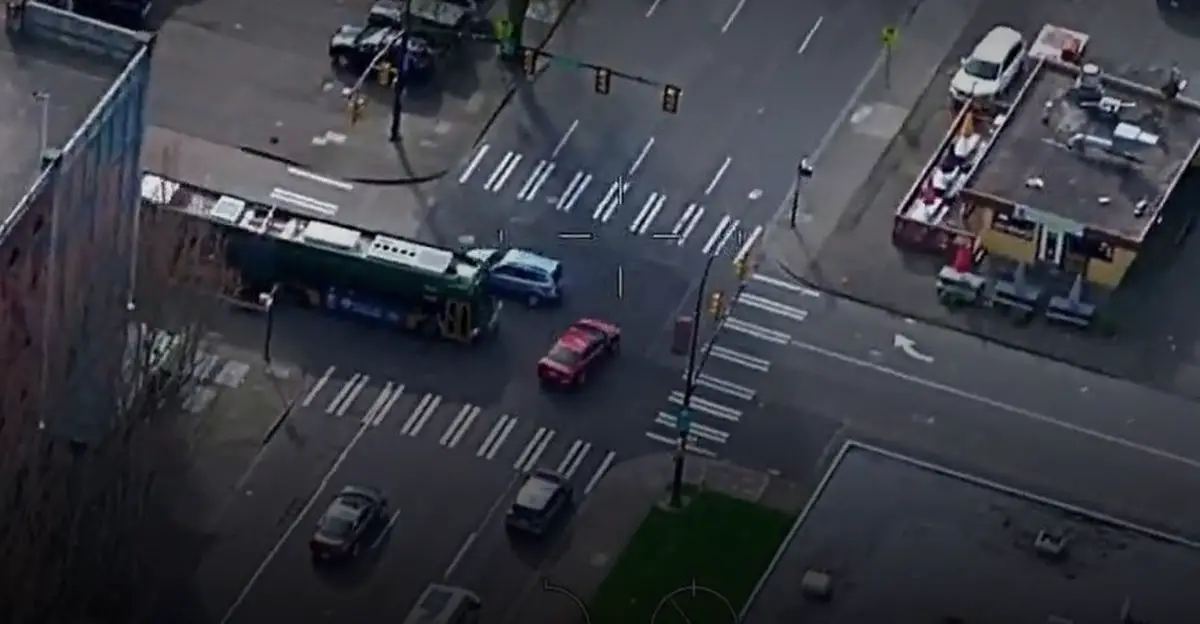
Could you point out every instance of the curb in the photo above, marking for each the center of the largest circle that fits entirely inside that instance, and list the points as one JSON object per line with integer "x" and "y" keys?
{"x": 278, "y": 422}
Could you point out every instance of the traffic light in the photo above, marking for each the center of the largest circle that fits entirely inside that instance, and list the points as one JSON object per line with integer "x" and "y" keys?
{"x": 354, "y": 107}
{"x": 603, "y": 80}
{"x": 716, "y": 304}
{"x": 386, "y": 74}
{"x": 741, "y": 267}
{"x": 529, "y": 59}
{"x": 670, "y": 99}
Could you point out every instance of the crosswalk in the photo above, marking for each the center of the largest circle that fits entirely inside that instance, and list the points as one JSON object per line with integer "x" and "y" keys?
{"x": 392, "y": 408}
{"x": 627, "y": 202}
{"x": 762, "y": 318}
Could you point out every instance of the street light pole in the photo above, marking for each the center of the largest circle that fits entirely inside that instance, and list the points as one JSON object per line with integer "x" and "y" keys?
{"x": 267, "y": 300}
{"x": 401, "y": 66}
{"x": 689, "y": 388}
{"x": 804, "y": 171}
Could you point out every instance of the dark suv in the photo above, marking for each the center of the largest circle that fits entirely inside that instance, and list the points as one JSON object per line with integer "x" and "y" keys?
{"x": 542, "y": 501}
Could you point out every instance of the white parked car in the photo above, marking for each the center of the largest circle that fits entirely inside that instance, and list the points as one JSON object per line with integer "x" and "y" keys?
{"x": 991, "y": 67}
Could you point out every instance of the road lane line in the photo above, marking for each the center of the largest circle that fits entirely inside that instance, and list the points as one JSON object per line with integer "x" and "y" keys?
{"x": 727, "y": 387}
{"x": 491, "y": 436}
{"x": 608, "y": 197}
{"x": 1000, "y": 405}
{"x": 646, "y": 208}
{"x": 495, "y": 437}
{"x": 562, "y": 143}
{"x": 537, "y": 187}
{"x": 529, "y": 182}
{"x": 696, "y": 429}
{"x": 712, "y": 408}
{"x": 812, "y": 32}
{"x": 691, "y": 447}
{"x": 532, "y": 461}
{"x": 474, "y": 164}
{"x": 600, "y": 472}
{"x": 301, "y": 517}
{"x": 641, "y": 157}
{"x": 690, "y": 225}
{"x": 512, "y": 422}
{"x": 528, "y": 450}
{"x": 416, "y": 413}
{"x": 748, "y": 245}
{"x": 786, "y": 285}
{"x": 462, "y": 552}
{"x": 317, "y": 387}
{"x": 369, "y": 417}
{"x": 732, "y": 16}
{"x": 429, "y": 410}
{"x": 337, "y": 398}
{"x": 498, "y": 171}
{"x": 357, "y": 390}
{"x": 320, "y": 179}
{"x": 653, "y": 8}
{"x": 466, "y": 426}
{"x": 574, "y": 467}
{"x": 512, "y": 166}
{"x": 662, "y": 199}
{"x": 677, "y": 229}
{"x": 387, "y": 528}
{"x": 717, "y": 178}
{"x": 566, "y": 460}
{"x": 729, "y": 232}
{"x": 617, "y": 201}
{"x": 453, "y": 428}
{"x": 387, "y": 407}
{"x": 712, "y": 240}
{"x": 573, "y": 191}
{"x": 756, "y": 331}
{"x": 772, "y": 307}
{"x": 739, "y": 358}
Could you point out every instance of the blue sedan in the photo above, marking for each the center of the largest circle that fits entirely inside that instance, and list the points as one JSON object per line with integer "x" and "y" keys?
{"x": 521, "y": 275}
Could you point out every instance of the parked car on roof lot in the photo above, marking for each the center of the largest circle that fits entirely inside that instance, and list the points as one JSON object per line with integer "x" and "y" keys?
{"x": 991, "y": 67}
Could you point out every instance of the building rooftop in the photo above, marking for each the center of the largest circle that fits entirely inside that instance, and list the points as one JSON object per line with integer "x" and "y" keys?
{"x": 75, "y": 82}
{"x": 912, "y": 542}
{"x": 1031, "y": 163}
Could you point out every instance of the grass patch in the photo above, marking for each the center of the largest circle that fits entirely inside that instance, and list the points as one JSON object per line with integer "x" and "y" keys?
{"x": 722, "y": 543}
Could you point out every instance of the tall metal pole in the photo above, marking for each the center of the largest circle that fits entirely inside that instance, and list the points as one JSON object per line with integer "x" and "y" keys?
{"x": 267, "y": 300}
{"x": 43, "y": 100}
{"x": 689, "y": 388}
{"x": 401, "y": 65}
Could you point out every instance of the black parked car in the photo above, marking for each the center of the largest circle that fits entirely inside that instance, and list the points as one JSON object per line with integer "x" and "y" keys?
{"x": 357, "y": 48}
{"x": 542, "y": 501}
{"x": 443, "y": 22}
{"x": 344, "y": 525}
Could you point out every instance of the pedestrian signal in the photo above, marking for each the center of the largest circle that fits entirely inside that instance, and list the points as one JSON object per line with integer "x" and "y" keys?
{"x": 354, "y": 107}
{"x": 670, "y": 99}
{"x": 603, "y": 80}
{"x": 716, "y": 304}
{"x": 741, "y": 267}
{"x": 529, "y": 59}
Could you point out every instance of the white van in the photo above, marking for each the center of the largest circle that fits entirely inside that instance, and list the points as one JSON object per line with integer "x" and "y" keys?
{"x": 991, "y": 67}
{"x": 444, "y": 604}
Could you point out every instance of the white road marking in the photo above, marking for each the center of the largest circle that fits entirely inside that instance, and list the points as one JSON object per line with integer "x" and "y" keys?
{"x": 653, "y": 8}
{"x": 498, "y": 171}
{"x": 717, "y": 178}
{"x": 387, "y": 528}
{"x": 380, "y": 400}
{"x": 474, "y": 164}
{"x": 301, "y": 517}
{"x": 757, "y": 331}
{"x": 637, "y": 163}
{"x": 508, "y": 171}
{"x": 739, "y": 358}
{"x": 387, "y": 407}
{"x": 533, "y": 451}
{"x": 712, "y": 408}
{"x": 569, "y": 458}
{"x": 786, "y": 285}
{"x": 600, "y": 472}
{"x": 650, "y": 210}
{"x": 696, "y": 429}
{"x": 562, "y": 143}
{"x": 346, "y": 388}
{"x": 811, "y": 33}
{"x": 458, "y": 426}
{"x": 574, "y": 190}
{"x": 772, "y": 307}
{"x": 317, "y": 387}
{"x": 320, "y": 179}
{"x": 691, "y": 447}
{"x": 748, "y": 245}
{"x": 612, "y": 200}
{"x": 462, "y": 552}
{"x": 711, "y": 243}
{"x": 732, "y": 16}
{"x": 531, "y": 180}
{"x": 540, "y": 182}
{"x": 684, "y": 226}
{"x": 729, "y": 232}
{"x": 496, "y": 437}
{"x": 416, "y": 420}
{"x": 739, "y": 391}
{"x": 354, "y": 392}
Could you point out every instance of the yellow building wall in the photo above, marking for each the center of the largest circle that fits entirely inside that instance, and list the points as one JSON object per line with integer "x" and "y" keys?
{"x": 1110, "y": 274}
{"x": 1006, "y": 245}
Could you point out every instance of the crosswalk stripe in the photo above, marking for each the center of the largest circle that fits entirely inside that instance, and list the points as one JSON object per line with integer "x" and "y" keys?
{"x": 674, "y": 443}
{"x": 756, "y": 331}
{"x": 474, "y": 164}
{"x": 724, "y": 412}
{"x": 697, "y": 429}
{"x": 739, "y": 358}
{"x": 705, "y": 380}
{"x": 786, "y": 285}
{"x": 773, "y": 307}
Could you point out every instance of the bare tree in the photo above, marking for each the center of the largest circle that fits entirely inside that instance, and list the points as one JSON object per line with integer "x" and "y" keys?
{"x": 78, "y": 525}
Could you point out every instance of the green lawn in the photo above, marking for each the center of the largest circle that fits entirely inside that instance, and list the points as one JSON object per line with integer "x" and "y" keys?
{"x": 722, "y": 543}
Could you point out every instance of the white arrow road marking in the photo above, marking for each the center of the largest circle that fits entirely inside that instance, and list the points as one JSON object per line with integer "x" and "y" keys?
{"x": 909, "y": 347}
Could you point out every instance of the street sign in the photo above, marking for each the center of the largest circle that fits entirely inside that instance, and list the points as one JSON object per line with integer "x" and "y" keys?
{"x": 890, "y": 35}
{"x": 684, "y": 421}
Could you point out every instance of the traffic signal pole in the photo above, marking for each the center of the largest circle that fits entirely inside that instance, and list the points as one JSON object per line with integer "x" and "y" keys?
{"x": 689, "y": 388}
{"x": 401, "y": 73}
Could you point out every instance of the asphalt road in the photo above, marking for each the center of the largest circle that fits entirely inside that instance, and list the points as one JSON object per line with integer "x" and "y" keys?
{"x": 838, "y": 367}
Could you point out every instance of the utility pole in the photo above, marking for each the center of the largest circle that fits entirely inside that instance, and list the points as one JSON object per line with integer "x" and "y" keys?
{"x": 804, "y": 171}
{"x": 683, "y": 421}
{"x": 267, "y": 301}
{"x": 401, "y": 65}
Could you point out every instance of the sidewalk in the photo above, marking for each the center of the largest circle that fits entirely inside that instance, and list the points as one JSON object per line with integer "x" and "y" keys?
{"x": 221, "y": 425}
{"x": 612, "y": 513}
